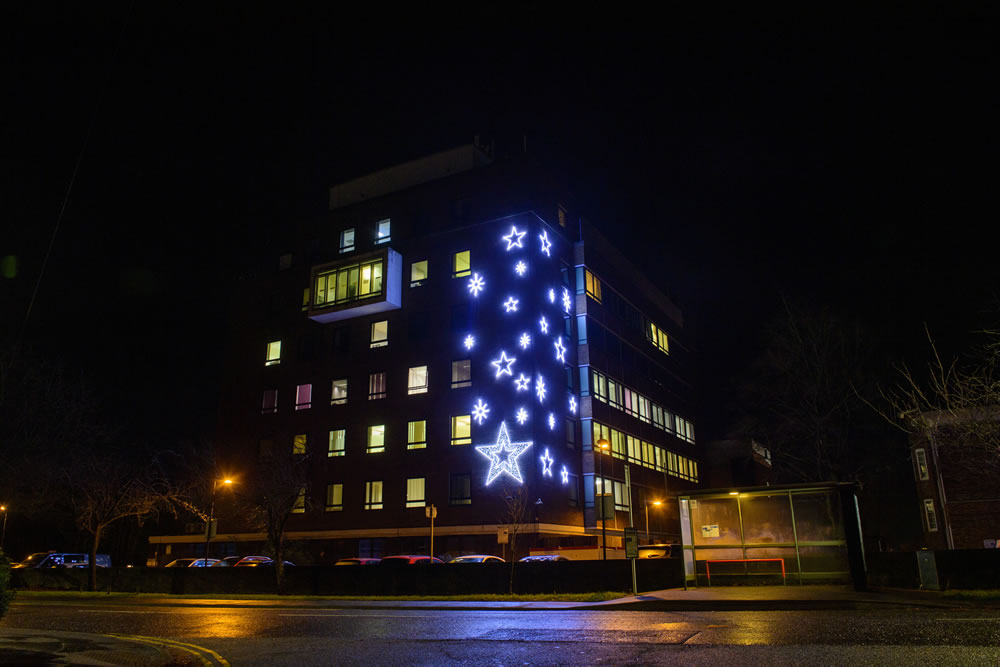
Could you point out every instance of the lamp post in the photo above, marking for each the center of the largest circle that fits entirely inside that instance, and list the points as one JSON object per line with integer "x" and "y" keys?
{"x": 3, "y": 508}
{"x": 603, "y": 444}
{"x": 655, "y": 502}
{"x": 211, "y": 515}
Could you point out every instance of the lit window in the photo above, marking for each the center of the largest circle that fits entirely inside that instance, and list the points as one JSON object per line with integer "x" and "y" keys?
{"x": 383, "y": 231}
{"x": 930, "y": 515}
{"x": 658, "y": 337}
{"x": 376, "y": 386}
{"x": 461, "y": 264}
{"x": 300, "y": 503}
{"x": 347, "y": 240}
{"x": 334, "y": 497}
{"x": 418, "y": 273}
{"x": 415, "y": 492}
{"x": 273, "y": 353}
{"x": 299, "y": 444}
{"x": 338, "y": 443}
{"x": 376, "y": 439}
{"x": 461, "y": 373}
{"x": 380, "y": 333}
{"x": 460, "y": 489}
{"x": 349, "y": 283}
{"x": 303, "y": 396}
{"x": 373, "y": 495}
{"x": 338, "y": 393}
{"x": 920, "y": 459}
{"x": 306, "y": 294}
{"x": 416, "y": 383}
{"x": 416, "y": 434}
{"x": 461, "y": 430}
{"x": 270, "y": 403}
{"x": 592, "y": 285}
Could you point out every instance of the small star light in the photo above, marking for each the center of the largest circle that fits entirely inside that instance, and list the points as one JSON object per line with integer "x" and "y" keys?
{"x": 521, "y": 416}
{"x": 544, "y": 324}
{"x": 560, "y": 350}
{"x": 480, "y": 411}
{"x": 511, "y": 305}
{"x": 567, "y": 304}
{"x": 565, "y": 475}
{"x": 540, "y": 388}
{"x": 522, "y": 382}
{"x": 503, "y": 364}
{"x": 552, "y": 296}
{"x": 572, "y": 404}
{"x": 547, "y": 462}
{"x": 546, "y": 244}
{"x": 469, "y": 342}
{"x": 525, "y": 340}
{"x": 552, "y": 422}
{"x": 476, "y": 284}
{"x": 514, "y": 238}
{"x": 520, "y": 268}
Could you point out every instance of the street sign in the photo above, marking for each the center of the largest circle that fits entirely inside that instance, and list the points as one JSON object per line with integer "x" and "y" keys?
{"x": 503, "y": 535}
{"x": 631, "y": 543}
{"x": 431, "y": 511}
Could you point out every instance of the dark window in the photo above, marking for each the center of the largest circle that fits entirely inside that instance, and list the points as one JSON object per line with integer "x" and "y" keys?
{"x": 460, "y": 490}
{"x": 341, "y": 340}
{"x": 461, "y": 317}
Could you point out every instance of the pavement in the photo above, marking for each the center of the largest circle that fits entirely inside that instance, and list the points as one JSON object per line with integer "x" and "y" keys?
{"x": 20, "y": 646}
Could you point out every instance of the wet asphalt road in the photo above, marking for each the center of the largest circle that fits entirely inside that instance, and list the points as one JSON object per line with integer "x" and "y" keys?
{"x": 288, "y": 635}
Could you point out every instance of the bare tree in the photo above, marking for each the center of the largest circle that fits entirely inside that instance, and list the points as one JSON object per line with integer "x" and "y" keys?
{"x": 515, "y": 511}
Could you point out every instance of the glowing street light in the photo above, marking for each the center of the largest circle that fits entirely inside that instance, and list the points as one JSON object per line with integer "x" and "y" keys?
{"x": 211, "y": 514}
{"x": 6, "y": 511}
{"x": 603, "y": 444}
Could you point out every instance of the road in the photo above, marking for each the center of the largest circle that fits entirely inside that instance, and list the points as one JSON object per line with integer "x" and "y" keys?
{"x": 241, "y": 634}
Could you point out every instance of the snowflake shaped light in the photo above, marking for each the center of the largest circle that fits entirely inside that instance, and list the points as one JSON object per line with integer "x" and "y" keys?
{"x": 479, "y": 411}
{"x": 525, "y": 341}
{"x": 476, "y": 284}
{"x": 565, "y": 475}
{"x": 503, "y": 364}
{"x": 547, "y": 462}
{"x": 520, "y": 268}
{"x": 540, "y": 388}
{"x": 552, "y": 296}
{"x": 503, "y": 456}
{"x": 469, "y": 342}
{"x": 567, "y": 304}
{"x": 521, "y": 416}
{"x": 560, "y": 350}
{"x": 510, "y": 305}
{"x": 514, "y": 238}
{"x": 572, "y": 404}
{"x": 552, "y": 422}
{"x": 521, "y": 382}
{"x": 544, "y": 325}
{"x": 546, "y": 244}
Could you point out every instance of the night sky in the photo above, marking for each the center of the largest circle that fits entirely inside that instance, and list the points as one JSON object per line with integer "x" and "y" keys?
{"x": 840, "y": 161}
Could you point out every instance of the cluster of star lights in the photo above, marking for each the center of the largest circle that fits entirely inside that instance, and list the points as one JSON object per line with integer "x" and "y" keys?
{"x": 503, "y": 454}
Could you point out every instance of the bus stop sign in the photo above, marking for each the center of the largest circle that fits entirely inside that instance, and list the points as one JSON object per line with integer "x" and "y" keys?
{"x": 631, "y": 543}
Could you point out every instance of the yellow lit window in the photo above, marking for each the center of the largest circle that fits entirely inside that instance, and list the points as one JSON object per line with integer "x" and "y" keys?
{"x": 593, "y": 285}
{"x": 299, "y": 444}
{"x": 418, "y": 273}
{"x": 376, "y": 439}
{"x": 273, "y": 353}
{"x": 416, "y": 436}
{"x": 417, "y": 381}
{"x": 338, "y": 443}
{"x": 334, "y": 497}
{"x": 380, "y": 333}
{"x": 461, "y": 265}
{"x": 373, "y": 495}
{"x": 461, "y": 430}
{"x": 300, "y": 503}
{"x": 415, "y": 492}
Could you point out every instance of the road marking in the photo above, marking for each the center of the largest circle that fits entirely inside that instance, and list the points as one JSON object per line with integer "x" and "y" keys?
{"x": 207, "y": 656}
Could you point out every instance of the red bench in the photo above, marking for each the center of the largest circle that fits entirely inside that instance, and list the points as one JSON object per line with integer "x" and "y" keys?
{"x": 746, "y": 560}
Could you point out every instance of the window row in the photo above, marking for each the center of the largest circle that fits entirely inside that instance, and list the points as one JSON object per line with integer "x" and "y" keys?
{"x": 461, "y": 265}
{"x": 349, "y": 283}
{"x": 415, "y": 494}
{"x": 375, "y": 438}
{"x": 635, "y": 404}
{"x": 589, "y": 284}
{"x": 632, "y": 449}
{"x": 383, "y": 234}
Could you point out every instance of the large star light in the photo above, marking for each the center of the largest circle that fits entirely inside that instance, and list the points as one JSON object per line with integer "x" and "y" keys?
{"x": 560, "y": 350}
{"x": 479, "y": 411}
{"x": 514, "y": 238}
{"x": 503, "y": 364}
{"x": 522, "y": 382}
{"x": 503, "y": 456}
{"x": 544, "y": 325}
{"x": 546, "y": 244}
{"x": 510, "y": 305}
{"x": 476, "y": 284}
{"x": 547, "y": 462}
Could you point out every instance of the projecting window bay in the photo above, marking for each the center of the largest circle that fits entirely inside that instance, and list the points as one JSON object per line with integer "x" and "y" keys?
{"x": 349, "y": 283}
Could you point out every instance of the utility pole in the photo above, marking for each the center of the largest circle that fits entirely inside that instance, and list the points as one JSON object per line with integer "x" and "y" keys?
{"x": 431, "y": 512}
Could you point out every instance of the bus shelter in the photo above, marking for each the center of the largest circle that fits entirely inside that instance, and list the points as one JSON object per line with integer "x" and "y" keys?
{"x": 795, "y": 533}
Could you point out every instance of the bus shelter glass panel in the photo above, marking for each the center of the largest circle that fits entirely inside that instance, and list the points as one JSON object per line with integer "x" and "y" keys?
{"x": 824, "y": 560}
{"x": 817, "y": 517}
{"x": 767, "y": 520}
{"x": 715, "y": 522}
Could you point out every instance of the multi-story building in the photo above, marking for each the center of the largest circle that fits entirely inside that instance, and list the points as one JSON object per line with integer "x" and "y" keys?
{"x": 454, "y": 335}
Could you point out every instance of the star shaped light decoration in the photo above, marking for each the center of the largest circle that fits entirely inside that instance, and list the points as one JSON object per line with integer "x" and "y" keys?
{"x": 524, "y": 340}
{"x": 521, "y": 382}
{"x": 560, "y": 350}
{"x": 469, "y": 342}
{"x": 552, "y": 296}
{"x": 547, "y": 462}
{"x": 567, "y": 303}
{"x": 503, "y": 364}
{"x": 476, "y": 284}
{"x": 521, "y": 416}
{"x": 514, "y": 238}
{"x": 565, "y": 475}
{"x": 510, "y": 305}
{"x": 503, "y": 456}
{"x": 544, "y": 325}
{"x": 540, "y": 388}
{"x": 572, "y": 404}
{"x": 546, "y": 244}
{"x": 479, "y": 411}
{"x": 552, "y": 422}
{"x": 520, "y": 268}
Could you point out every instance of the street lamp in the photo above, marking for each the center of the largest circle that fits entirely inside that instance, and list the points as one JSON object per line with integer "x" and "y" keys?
{"x": 655, "y": 502}
{"x": 3, "y": 508}
{"x": 211, "y": 514}
{"x": 603, "y": 444}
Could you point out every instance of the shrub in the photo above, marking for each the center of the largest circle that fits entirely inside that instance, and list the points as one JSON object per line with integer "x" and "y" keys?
{"x": 6, "y": 592}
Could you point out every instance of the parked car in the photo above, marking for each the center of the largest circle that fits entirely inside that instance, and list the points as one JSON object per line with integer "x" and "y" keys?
{"x": 44, "y": 559}
{"x": 192, "y": 562}
{"x": 540, "y": 558}
{"x": 655, "y": 550}
{"x": 259, "y": 561}
{"x": 358, "y": 561}
{"x": 477, "y": 558}
{"x": 410, "y": 560}
{"x": 232, "y": 560}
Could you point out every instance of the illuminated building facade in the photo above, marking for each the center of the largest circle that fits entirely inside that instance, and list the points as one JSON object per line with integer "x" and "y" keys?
{"x": 451, "y": 336}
